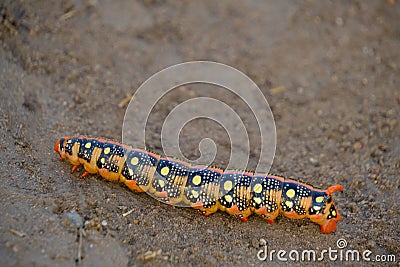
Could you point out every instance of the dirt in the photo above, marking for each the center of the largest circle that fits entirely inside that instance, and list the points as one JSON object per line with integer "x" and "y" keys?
{"x": 66, "y": 65}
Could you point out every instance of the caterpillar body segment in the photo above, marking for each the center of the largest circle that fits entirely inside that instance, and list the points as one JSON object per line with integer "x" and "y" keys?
{"x": 202, "y": 189}
{"x": 235, "y": 193}
{"x": 138, "y": 169}
{"x": 206, "y": 189}
{"x": 266, "y": 195}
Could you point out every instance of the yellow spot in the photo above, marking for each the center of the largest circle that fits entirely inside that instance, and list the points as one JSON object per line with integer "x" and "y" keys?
{"x": 316, "y": 208}
{"x": 107, "y": 150}
{"x": 69, "y": 141}
{"x": 195, "y": 194}
{"x": 257, "y": 188}
{"x": 228, "y": 185}
{"x": 103, "y": 160}
{"x": 319, "y": 199}
{"x": 257, "y": 200}
{"x": 289, "y": 204}
{"x": 130, "y": 172}
{"x": 161, "y": 183}
{"x": 134, "y": 161}
{"x": 165, "y": 171}
{"x": 88, "y": 145}
{"x": 228, "y": 198}
{"x": 290, "y": 193}
{"x": 333, "y": 212}
{"x": 196, "y": 180}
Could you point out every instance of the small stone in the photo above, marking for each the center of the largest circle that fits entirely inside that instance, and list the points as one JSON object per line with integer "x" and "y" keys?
{"x": 15, "y": 248}
{"x": 383, "y": 148}
{"x": 104, "y": 223}
{"x": 300, "y": 90}
{"x": 357, "y": 145}
{"x": 339, "y": 21}
{"x": 371, "y": 244}
{"x": 73, "y": 220}
{"x": 314, "y": 161}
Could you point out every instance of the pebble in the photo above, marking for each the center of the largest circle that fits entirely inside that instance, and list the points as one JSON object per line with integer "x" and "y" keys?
{"x": 371, "y": 244}
{"x": 14, "y": 247}
{"x": 73, "y": 220}
{"x": 339, "y": 21}
{"x": 357, "y": 145}
{"x": 314, "y": 161}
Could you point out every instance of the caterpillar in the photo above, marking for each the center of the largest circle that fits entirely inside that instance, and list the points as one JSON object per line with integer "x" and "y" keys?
{"x": 207, "y": 189}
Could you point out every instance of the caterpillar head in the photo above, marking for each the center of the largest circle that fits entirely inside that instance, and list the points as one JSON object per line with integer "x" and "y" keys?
{"x": 323, "y": 210}
{"x": 59, "y": 147}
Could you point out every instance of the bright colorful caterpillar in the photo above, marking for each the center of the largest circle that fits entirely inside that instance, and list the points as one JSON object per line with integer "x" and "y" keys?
{"x": 203, "y": 188}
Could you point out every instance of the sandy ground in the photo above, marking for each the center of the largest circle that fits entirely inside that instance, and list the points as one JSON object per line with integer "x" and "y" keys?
{"x": 66, "y": 65}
